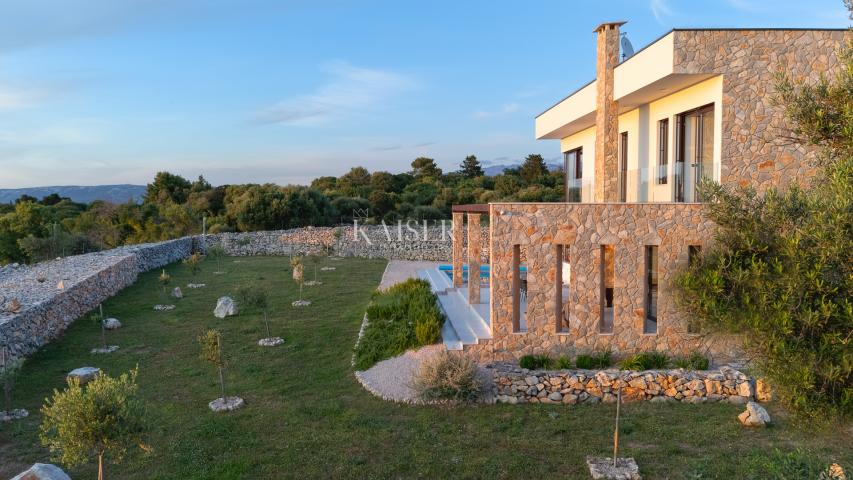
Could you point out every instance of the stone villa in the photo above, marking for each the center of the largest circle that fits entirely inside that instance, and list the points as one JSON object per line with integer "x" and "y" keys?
{"x": 595, "y": 272}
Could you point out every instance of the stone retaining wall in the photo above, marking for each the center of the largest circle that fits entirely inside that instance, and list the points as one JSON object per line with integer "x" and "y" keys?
{"x": 37, "y": 303}
{"x": 517, "y": 385}
{"x": 394, "y": 242}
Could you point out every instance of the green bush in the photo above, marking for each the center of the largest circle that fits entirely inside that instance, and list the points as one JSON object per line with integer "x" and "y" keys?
{"x": 694, "y": 362}
{"x": 405, "y": 316}
{"x": 564, "y": 363}
{"x": 595, "y": 361}
{"x": 448, "y": 376}
{"x": 646, "y": 361}
{"x": 535, "y": 362}
{"x": 780, "y": 271}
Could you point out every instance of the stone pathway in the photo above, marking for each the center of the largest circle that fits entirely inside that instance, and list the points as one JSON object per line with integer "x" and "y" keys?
{"x": 401, "y": 270}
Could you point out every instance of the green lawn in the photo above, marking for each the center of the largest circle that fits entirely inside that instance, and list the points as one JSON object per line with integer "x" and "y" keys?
{"x": 307, "y": 417}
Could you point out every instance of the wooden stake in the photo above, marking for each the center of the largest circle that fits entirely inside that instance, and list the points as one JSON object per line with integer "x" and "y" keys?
{"x": 616, "y": 431}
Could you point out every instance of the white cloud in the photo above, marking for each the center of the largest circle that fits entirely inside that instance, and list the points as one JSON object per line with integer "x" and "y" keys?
{"x": 660, "y": 9}
{"x": 350, "y": 90}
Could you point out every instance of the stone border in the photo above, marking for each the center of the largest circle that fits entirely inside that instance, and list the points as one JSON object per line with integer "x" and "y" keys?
{"x": 514, "y": 385}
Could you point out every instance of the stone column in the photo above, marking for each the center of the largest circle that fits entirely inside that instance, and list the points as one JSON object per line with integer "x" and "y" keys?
{"x": 606, "y": 115}
{"x": 458, "y": 247}
{"x": 473, "y": 258}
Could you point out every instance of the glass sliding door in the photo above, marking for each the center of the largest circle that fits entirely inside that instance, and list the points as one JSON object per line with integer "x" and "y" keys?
{"x": 623, "y": 167}
{"x": 574, "y": 174}
{"x": 694, "y": 144}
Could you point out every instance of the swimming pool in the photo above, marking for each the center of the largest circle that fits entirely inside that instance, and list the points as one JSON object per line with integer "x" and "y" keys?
{"x": 484, "y": 271}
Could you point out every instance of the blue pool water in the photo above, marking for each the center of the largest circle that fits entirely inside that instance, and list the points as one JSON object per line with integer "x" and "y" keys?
{"x": 484, "y": 270}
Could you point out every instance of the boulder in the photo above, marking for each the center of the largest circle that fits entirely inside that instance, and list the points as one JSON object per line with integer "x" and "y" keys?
{"x": 271, "y": 342}
{"x": 225, "y": 307}
{"x": 42, "y": 471}
{"x": 177, "y": 293}
{"x": 112, "y": 324}
{"x": 84, "y": 374}
{"x": 762, "y": 391}
{"x": 754, "y": 416}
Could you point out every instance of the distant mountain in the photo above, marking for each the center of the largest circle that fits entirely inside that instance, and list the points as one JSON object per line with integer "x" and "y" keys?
{"x": 84, "y": 194}
{"x": 493, "y": 170}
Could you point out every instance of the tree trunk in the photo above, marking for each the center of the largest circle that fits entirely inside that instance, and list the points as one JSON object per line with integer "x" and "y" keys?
{"x": 222, "y": 383}
{"x": 267, "y": 322}
{"x": 100, "y": 466}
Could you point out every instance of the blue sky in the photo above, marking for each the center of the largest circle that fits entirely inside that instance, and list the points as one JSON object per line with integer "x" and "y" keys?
{"x": 106, "y": 91}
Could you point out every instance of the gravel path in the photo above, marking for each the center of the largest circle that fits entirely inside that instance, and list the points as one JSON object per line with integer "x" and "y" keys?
{"x": 390, "y": 379}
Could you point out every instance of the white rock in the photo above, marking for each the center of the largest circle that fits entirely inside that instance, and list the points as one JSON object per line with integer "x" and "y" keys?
{"x": 177, "y": 293}
{"x": 196, "y": 285}
{"x": 112, "y": 324}
{"x": 14, "y": 414}
{"x": 226, "y": 404}
{"x": 754, "y": 416}
{"x": 42, "y": 471}
{"x": 84, "y": 374}
{"x": 301, "y": 303}
{"x": 271, "y": 342}
{"x": 100, "y": 350}
{"x": 164, "y": 308}
{"x": 225, "y": 307}
{"x": 328, "y": 269}
{"x": 603, "y": 468}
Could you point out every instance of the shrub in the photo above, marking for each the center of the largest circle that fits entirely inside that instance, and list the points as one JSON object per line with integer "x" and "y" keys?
{"x": 104, "y": 418}
{"x": 779, "y": 273}
{"x": 448, "y": 376}
{"x": 564, "y": 363}
{"x": 405, "y": 316}
{"x": 535, "y": 362}
{"x": 646, "y": 361}
{"x": 694, "y": 362}
{"x": 597, "y": 360}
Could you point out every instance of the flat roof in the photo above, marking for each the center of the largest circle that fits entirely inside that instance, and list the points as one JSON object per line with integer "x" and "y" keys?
{"x": 700, "y": 29}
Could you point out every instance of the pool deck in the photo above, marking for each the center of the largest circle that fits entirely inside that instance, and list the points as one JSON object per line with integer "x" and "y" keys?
{"x": 401, "y": 270}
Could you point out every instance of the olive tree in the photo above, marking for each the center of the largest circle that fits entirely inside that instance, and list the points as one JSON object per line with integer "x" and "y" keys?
{"x": 103, "y": 419}
{"x": 211, "y": 352}
{"x": 216, "y": 252}
{"x": 298, "y": 273}
{"x": 257, "y": 298}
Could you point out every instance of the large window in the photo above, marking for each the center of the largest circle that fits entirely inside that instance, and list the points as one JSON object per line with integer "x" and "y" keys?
{"x": 574, "y": 174}
{"x": 663, "y": 150}
{"x": 562, "y": 281}
{"x": 694, "y": 151}
{"x": 623, "y": 167}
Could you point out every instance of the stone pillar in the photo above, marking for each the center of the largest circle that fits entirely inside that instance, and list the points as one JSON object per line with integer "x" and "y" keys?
{"x": 473, "y": 258}
{"x": 458, "y": 247}
{"x": 606, "y": 115}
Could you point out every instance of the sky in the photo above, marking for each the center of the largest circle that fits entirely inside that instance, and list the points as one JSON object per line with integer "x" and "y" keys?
{"x": 253, "y": 91}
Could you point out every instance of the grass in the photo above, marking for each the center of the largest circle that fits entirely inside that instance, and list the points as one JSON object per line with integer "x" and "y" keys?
{"x": 307, "y": 417}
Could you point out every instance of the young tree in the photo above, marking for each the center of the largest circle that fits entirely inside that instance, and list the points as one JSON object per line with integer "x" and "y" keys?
{"x": 164, "y": 280}
{"x": 781, "y": 270}
{"x": 298, "y": 273}
{"x": 255, "y": 297}
{"x": 193, "y": 262}
{"x": 470, "y": 167}
{"x": 9, "y": 370}
{"x": 216, "y": 252}
{"x": 533, "y": 168}
{"x": 104, "y": 418}
{"x": 211, "y": 352}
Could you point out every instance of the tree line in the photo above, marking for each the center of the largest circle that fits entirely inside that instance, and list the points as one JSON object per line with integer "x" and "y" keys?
{"x": 34, "y": 230}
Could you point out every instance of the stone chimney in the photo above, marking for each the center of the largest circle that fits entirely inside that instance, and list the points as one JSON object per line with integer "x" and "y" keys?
{"x": 606, "y": 114}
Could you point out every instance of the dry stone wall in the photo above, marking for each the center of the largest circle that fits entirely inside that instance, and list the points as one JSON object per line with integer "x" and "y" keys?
{"x": 517, "y": 385}
{"x": 394, "y": 242}
{"x": 37, "y": 303}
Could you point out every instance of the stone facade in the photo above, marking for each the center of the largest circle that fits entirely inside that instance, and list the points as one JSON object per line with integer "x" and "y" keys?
{"x": 754, "y": 149}
{"x": 513, "y": 384}
{"x": 584, "y": 229}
